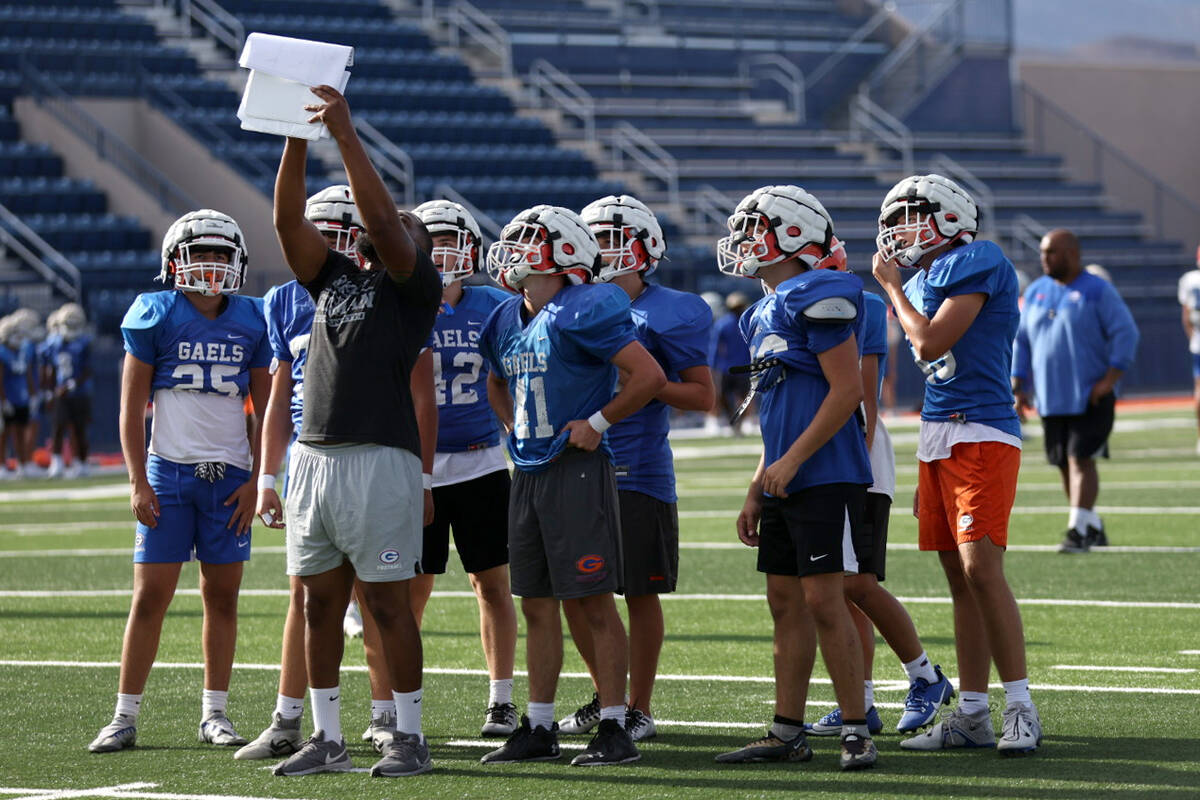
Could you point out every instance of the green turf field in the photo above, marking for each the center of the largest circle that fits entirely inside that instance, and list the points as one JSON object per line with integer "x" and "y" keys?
{"x": 1113, "y": 647}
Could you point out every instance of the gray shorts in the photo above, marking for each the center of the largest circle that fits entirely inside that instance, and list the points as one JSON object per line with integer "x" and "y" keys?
{"x": 564, "y": 529}
{"x": 361, "y": 503}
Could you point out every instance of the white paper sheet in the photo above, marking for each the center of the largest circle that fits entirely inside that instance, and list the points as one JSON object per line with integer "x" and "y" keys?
{"x": 281, "y": 71}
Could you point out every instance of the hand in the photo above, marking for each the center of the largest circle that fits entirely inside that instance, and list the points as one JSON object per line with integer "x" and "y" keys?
{"x": 886, "y": 272}
{"x": 243, "y": 499}
{"x": 747, "y": 520}
{"x": 427, "y": 518}
{"x": 779, "y": 475}
{"x": 334, "y": 111}
{"x": 269, "y": 509}
{"x": 1103, "y": 388}
{"x": 6, "y": 408}
{"x": 916, "y": 503}
{"x": 583, "y": 435}
{"x": 1021, "y": 401}
{"x": 144, "y": 503}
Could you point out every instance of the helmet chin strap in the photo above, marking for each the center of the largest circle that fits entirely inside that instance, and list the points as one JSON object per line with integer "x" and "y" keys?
{"x": 909, "y": 256}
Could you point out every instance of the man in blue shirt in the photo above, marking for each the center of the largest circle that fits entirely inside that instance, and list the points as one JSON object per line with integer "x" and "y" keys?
{"x": 1075, "y": 340}
{"x": 728, "y": 351}
{"x": 556, "y": 351}
{"x": 68, "y": 351}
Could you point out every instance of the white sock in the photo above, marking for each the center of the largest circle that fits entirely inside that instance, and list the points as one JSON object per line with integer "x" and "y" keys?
{"x": 381, "y": 707}
{"x": 1017, "y": 692}
{"x": 500, "y": 691}
{"x": 920, "y": 667}
{"x": 56, "y": 462}
{"x": 129, "y": 705}
{"x": 972, "y": 702}
{"x": 327, "y": 712}
{"x": 1073, "y": 520}
{"x": 408, "y": 711}
{"x": 289, "y": 707}
{"x": 541, "y": 715}
{"x": 214, "y": 700}
{"x": 613, "y": 712}
{"x": 868, "y": 694}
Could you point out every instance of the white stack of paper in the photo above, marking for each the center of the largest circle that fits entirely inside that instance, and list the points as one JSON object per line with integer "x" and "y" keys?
{"x": 282, "y": 70}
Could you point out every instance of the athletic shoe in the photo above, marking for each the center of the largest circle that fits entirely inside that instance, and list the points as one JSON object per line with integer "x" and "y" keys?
{"x": 352, "y": 622}
{"x": 1096, "y": 537}
{"x": 501, "y": 720}
{"x": 831, "y": 723}
{"x": 317, "y": 755}
{"x": 218, "y": 730}
{"x": 1021, "y": 730}
{"x": 612, "y": 744}
{"x": 921, "y": 705}
{"x": 770, "y": 748}
{"x": 1073, "y": 542}
{"x": 407, "y": 755}
{"x": 119, "y": 734}
{"x": 955, "y": 729}
{"x": 586, "y": 717}
{"x": 526, "y": 744}
{"x": 858, "y": 752}
{"x": 379, "y": 732}
{"x": 640, "y": 725}
{"x": 281, "y": 738}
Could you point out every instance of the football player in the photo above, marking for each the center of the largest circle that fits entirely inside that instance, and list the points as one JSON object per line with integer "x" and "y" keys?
{"x": 555, "y": 351}
{"x": 68, "y": 353}
{"x": 675, "y": 328}
{"x": 805, "y": 502}
{"x": 18, "y": 388}
{"x": 1189, "y": 306}
{"x": 200, "y": 348}
{"x": 960, "y": 315}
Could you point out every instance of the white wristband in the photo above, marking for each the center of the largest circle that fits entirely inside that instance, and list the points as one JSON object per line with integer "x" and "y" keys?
{"x": 266, "y": 482}
{"x": 598, "y": 422}
{"x": 426, "y": 480}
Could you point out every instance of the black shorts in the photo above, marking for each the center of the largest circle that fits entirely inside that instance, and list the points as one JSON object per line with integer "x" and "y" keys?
{"x": 477, "y": 512}
{"x": 18, "y": 416}
{"x": 873, "y": 531}
{"x": 564, "y": 528}
{"x": 650, "y": 544}
{"x": 74, "y": 410}
{"x": 805, "y": 533}
{"x": 1082, "y": 435}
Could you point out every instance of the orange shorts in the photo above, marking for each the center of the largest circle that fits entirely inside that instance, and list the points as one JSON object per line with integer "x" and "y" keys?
{"x": 967, "y": 496}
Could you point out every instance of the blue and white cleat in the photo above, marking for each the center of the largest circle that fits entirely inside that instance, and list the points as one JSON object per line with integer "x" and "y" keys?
{"x": 119, "y": 734}
{"x": 831, "y": 723}
{"x": 1020, "y": 730}
{"x": 921, "y": 705}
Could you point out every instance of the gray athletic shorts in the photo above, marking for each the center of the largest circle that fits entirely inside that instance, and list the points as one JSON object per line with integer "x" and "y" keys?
{"x": 361, "y": 503}
{"x": 564, "y": 529}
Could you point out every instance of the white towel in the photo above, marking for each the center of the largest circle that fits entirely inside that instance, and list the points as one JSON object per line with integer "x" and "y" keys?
{"x": 281, "y": 71}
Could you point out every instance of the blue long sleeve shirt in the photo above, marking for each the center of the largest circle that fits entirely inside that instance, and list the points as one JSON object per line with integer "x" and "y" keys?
{"x": 1069, "y": 336}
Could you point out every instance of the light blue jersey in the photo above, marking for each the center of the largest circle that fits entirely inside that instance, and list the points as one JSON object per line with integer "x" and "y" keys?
{"x": 1069, "y": 337}
{"x": 675, "y": 327}
{"x": 970, "y": 383}
{"x": 874, "y": 334}
{"x": 777, "y": 327}
{"x": 465, "y": 419}
{"x": 289, "y": 311}
{"x": 557, "y": 364}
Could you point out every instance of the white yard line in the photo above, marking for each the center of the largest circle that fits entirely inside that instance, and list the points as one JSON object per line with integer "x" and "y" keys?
{"x": 131, "y": 790}
{"x": 1156, "y": 511}
{"x": 1101, "y": 668}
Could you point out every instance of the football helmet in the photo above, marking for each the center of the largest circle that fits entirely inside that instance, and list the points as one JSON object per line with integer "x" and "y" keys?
{"x": 637, "y": 242}
{"x": 920, "y": 214}
{"x": 836, "y": 259}
{"x": 334, "y": 213}
{"x": 28, "y": 324}
{"x": 773, "y": 224}
{"x": 546, "y": 240}
{"x": 70, "y": 320}
{"x": 446, "y": 216}
{"x": 204, "y": 230}
{"x": 10, "y": 332}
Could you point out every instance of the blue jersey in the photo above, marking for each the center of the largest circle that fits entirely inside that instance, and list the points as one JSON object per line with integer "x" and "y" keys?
{"x": 970, "y": 382}
{"x": 790, "y": 394}
{"x": 874, "y": 334}
{"x": 71, "y": 361}
{"x": 16, "y": 374}
{"x": 1068, "y": 339}
{"x": 192, "y": 353}
{"x": 465, "y": 419}
{"x": 675, "y": 328}
{"x": 289, "y": 311}
{"x": 728, "y": 346}
{"x": 557, "y": 364}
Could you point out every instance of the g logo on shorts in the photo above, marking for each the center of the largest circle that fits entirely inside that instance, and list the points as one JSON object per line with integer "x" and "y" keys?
{"x": 139, "y": 540}
{"x": 589, "y": 564}
{"x": 389, "y": 556}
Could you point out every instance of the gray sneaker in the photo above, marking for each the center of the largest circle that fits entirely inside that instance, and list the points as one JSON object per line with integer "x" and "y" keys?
{"x": 955, "y": 729}
{"x": 281, "y": 738}
{"x": 218, "y": 730}
{"x": 317, "y": 755}
{"x": 586, "y": 717}
{"x": 1021, "y": 730}
{"x": 119, "y": 734}
{"x": 407, "y": 755}
{"x": 379, "y": 732}
{"x": 858, "y": 752}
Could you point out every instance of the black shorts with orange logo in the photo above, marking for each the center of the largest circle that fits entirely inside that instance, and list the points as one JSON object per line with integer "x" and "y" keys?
{"x": 650, "y": 544}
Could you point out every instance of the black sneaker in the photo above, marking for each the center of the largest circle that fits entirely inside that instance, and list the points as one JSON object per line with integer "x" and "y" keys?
{"x": 769, "y": 748}
{"x": 526, "y": 744}
{"x": 612, "y": 744}
{"x": 1073, "y": 542}
{"x": 1096, "y": 537}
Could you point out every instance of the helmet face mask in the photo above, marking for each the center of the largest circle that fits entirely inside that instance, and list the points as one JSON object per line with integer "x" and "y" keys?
{"x": 921, "y": 214}
{"x": 333, "y": 212}
{"x": 773, "y": 224}
{"x": 630, "y": 237}
{"x": 523, "y": 250}
{"x": 458, "y": 258}
{"x": 184, "y": 263}
{"x": 544, "y": 240}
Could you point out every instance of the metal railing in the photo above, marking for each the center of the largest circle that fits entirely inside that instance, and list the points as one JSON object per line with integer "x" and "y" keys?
{"x": 464, "y": 20}
{"x": 1091, "y": 157}
{"x": 488, "y": 226}
{"x": 215, "y": 20}
{"x": 1025, "y": 235}
{"x": 108, "y": 146}
{"x": 637, "y": 10}
{"x": 627, "y": 142}
{"x": 868, "y": 119}
{"x": 711, "y": 207}
{"x": 985, "y": 201}
{"x": 774, "y": 67}
{"x": 19, "y": 239}
{"x": 391, "y": 161}
{"x": 919, "y": 61}
{"x": 548, "y": 82}
{"x": 873, "y": 23}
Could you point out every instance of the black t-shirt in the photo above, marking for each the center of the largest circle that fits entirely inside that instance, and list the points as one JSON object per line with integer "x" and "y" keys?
{"x": 366, "y": 335}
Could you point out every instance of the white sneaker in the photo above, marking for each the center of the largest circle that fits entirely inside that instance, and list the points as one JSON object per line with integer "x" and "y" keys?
{"x": 119, "y": 734}
{"x": 1021, "y": 730}
{"x": 217, "y": 729}
{"x": 639, "y": 725}
{"x": 56, "y": 467}
{"x": 282, "y": 738}
{"x": 955, "y": 729}
{"x": 381, "y": 731}
{"x": 84, "y": 470}
{"x": 352, "y": 622}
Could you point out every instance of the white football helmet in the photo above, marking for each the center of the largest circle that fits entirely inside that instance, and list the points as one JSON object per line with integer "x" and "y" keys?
{"x": 333, "y": 211}
{"x": 929, "y": 211}
{"x": 637, "y": 242}
{"x": 204, "y": 229}
{"x": 28, "y": 324}
{"x": 446, "y": 216}
{"x": 773, "y": 224}
{"x": 70, "y": 321}
{"x": 10, "y": 332}
{"x": 546, "y": 240}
